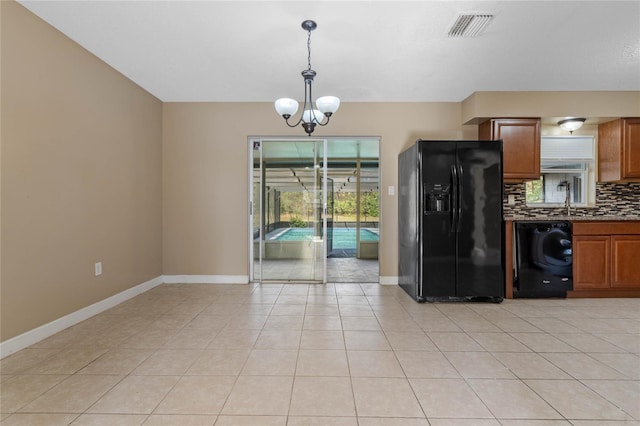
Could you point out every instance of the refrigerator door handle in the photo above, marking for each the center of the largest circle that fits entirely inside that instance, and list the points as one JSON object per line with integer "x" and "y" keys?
{"x": 460, "y": 197}
{"x": 454, "y": 198}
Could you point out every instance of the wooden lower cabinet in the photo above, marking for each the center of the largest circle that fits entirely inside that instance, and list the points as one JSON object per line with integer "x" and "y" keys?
{"x": 606, "y": 259}
{"x": 508, "y": 258}
{"x": 625, "y": 259}
{"x": 591, "y": 262}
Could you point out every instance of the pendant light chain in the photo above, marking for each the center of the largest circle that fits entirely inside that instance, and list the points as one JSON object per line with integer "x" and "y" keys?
{"x": 309, "y": 49}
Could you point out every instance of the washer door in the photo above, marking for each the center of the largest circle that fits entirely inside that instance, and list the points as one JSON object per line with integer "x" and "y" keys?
{"x": 551, "y": 251}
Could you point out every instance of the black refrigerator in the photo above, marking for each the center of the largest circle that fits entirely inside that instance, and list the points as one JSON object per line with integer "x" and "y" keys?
{"x": 450, "y": 226}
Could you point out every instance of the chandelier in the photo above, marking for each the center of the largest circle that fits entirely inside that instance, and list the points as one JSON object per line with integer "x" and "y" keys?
{"x": 325, "y": 106}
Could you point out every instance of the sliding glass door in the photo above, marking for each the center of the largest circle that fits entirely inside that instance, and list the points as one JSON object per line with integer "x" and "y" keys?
{"x": 288, "y": 210}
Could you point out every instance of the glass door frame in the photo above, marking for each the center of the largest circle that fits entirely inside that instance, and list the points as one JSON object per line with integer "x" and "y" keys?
{"x": 252, "y": 141}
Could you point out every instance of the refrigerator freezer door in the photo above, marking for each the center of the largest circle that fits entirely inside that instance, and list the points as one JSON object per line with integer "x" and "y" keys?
{"x": 480, "y": 230}
{"x": 438, "y": 263}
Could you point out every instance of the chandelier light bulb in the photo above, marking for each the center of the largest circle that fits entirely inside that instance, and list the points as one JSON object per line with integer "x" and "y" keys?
{"x": 328, "y": 104}
{"x": 286, "y": 107}
{"x": 309, "y": 116}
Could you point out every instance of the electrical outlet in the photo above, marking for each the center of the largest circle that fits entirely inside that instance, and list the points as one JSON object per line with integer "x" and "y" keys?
{"x": 98, "y": 268}
{"x": 511, "y": 199}
{"x": 391, "y": 190}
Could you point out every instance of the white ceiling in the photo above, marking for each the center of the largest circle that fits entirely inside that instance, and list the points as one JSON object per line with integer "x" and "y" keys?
{"x": 362, "y": 50}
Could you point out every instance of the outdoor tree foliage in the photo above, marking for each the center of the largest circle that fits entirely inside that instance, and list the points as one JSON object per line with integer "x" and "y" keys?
{"x": 297, "y": 222}
{"x": 299, "y": 205}
{"x": 344, "y": 204}
{"x": 369, "y": 205}
{"x": 534, "y": 191}
{"x": 291, "y": 204}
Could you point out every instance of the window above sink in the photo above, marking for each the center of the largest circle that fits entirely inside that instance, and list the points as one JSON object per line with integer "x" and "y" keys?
{"x": 565, "y": 161}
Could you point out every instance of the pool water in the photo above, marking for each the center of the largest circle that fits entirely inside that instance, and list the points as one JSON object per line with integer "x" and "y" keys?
{"x": 343, "y": 238}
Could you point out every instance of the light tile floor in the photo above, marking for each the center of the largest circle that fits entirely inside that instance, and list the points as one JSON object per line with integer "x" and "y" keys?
{"x": 338, "y": 354}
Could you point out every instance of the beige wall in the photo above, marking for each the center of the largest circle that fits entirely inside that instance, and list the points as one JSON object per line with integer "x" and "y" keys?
{"x": 205, "y": 165}
{"x": 81, "y": 176}
{"x": 205, "y": 173}
{"x": 596, "y": 106}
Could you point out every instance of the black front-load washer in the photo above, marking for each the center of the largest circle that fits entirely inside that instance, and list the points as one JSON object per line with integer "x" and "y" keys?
{"x": 544, "y": 259}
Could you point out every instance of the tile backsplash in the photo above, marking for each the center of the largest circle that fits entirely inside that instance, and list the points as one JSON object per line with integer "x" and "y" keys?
{"x": 612, "y": 199}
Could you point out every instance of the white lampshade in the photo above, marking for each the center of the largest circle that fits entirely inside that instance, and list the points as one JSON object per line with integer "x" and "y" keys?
{"x": 571, "y": 124}
{"x": 307, "y": 117}
{"x": 328, "y": 104}
{"x": 286, "y": 106}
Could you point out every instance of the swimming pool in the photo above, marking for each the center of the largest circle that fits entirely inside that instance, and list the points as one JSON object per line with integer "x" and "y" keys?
{"x": 343, "y": 238}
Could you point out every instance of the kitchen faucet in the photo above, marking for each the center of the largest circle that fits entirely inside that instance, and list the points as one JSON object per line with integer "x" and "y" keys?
{"x": 567, "y": 195}
{"x": 567, "y": 198}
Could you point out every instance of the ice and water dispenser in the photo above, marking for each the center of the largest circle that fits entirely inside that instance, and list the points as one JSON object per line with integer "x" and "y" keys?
{"x": 437, "y": 197}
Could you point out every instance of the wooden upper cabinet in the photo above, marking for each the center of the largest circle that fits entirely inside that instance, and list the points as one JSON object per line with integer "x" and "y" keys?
{"x": 619, "y": 150}
{"x": 521, "y": 146}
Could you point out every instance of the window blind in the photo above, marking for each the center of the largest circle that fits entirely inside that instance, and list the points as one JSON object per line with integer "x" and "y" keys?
{"x": 567, "y": 148}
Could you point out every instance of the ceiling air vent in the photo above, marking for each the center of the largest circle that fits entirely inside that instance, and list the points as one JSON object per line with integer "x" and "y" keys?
{"x": 470, "y": 24}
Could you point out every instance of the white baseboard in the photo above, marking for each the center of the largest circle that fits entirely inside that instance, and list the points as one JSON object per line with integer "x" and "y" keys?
{"x": 205, "y": 279}
{"x": 389, "y": 280}
{"x": 37, "y": 334}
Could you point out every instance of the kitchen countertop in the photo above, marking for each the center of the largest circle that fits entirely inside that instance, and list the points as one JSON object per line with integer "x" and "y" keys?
{"x": 571, "y": 218}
